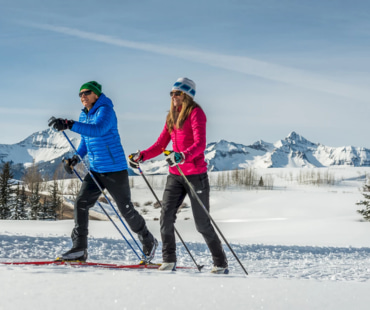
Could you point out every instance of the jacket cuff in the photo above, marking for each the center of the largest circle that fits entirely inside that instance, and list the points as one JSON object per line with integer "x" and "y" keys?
{"x": 183, "y": 158}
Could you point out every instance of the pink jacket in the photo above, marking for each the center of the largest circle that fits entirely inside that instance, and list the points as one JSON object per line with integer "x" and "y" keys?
{"x": 190, "y": 140}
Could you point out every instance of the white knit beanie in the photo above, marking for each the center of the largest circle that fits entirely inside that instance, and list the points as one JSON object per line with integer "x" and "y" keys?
{"x": 186, "y": 85}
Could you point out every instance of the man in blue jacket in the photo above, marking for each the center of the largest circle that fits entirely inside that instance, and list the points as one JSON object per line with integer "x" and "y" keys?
{"x": 101, "y": 142}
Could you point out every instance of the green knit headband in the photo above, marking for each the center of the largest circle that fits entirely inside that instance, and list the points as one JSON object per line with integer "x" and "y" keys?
{"x": 94, "y": 86}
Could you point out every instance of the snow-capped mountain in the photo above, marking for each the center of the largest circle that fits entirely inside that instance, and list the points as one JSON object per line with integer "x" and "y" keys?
{"x": 293, "y": 151}
{"x": 47, "y": 148}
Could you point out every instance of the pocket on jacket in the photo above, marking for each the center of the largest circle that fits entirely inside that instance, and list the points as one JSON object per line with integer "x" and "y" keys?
{"x": 110, "y": 154}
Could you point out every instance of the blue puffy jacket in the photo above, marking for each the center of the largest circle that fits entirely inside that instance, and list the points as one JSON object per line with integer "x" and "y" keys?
{"x": 100, "y": 139}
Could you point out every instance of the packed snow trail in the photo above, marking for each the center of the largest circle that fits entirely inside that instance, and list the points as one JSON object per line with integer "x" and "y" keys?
{"x": 263, "y": 261}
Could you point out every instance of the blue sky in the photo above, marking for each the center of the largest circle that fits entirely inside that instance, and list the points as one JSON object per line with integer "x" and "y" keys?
{"x": 262, "y": 68}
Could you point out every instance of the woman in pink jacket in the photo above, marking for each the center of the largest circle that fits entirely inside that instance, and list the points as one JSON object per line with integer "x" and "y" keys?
{"x": 186, "y": 128}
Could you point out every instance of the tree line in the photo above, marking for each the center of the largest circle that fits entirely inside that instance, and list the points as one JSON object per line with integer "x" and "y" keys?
{"x": 25, "y": 200}
{"x": 243, "y": 178}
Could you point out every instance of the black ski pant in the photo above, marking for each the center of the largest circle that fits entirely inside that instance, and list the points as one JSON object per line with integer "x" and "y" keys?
{"x": 117, "y": 184}
{"x": 174, "y": 195}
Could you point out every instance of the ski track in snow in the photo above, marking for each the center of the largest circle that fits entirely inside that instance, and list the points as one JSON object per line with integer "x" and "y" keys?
{"x": 261, "y": 261}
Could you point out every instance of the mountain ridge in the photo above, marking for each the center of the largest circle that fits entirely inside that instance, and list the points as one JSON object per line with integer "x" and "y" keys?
{"x": 47, "y": 148}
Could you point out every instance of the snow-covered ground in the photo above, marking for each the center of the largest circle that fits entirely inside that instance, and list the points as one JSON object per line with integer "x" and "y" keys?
{"x": 304, "y": 246}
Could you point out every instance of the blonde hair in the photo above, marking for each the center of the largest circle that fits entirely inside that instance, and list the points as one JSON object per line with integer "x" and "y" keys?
{"x": 177, "y": 118}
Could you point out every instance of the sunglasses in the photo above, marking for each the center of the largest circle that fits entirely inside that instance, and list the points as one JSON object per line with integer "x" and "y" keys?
{"x": 86, "y": 93}
{"x": 175, "y": 93}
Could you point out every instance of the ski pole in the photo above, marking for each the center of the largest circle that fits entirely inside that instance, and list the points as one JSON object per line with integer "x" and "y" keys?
{"x": 195, "y": 195}
{"x": 106, "y": 213}
{"x": 105, "y": 196}
{"x": 177, "y": 233}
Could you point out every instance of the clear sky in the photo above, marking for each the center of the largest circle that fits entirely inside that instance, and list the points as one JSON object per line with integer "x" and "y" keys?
{"x": 263, "y": 68}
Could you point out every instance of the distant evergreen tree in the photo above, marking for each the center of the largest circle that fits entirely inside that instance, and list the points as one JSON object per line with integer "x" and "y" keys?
{"x": 46, "y": 212}
{"x": 366, "y": 211}
{"x": 20, "y": 205}
{"x": 6, "y": 191}
{"x": 43, "y": 210}
{"x": 56, "y": 202}
{"x": 260, "y": 183}
{"x": 35, "y": 202}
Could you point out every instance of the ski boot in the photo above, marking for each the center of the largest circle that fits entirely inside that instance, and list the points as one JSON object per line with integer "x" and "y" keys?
{"x": 74, "y": 254}
{"x": 167, "y": 267}
{"x": 149, "y": 251}
{"x": 220, "y": 270}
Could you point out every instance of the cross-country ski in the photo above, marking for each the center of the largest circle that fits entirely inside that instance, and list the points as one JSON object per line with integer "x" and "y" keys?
{"x": 141, "y": 265}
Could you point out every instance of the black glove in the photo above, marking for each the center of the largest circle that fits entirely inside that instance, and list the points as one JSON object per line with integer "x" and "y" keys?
{"x": 60, "y": 123}
{"x": 69, "y": 163}
{"x": 175, "y": 158}
{"x": 135, "y": 159}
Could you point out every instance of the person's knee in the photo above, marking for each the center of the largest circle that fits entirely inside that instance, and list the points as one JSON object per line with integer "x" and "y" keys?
{"x": 81, "y": 201}
{"x": 167, "y": 230}
{"x": 126, "y": 208}
{"x": 204, "y": 227}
